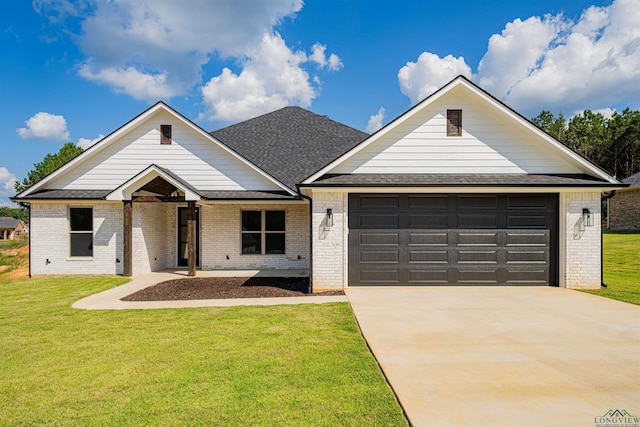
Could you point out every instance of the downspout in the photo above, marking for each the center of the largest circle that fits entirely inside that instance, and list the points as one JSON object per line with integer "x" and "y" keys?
{"x": 604, "y": 197}
{"x": 310, "y": 287}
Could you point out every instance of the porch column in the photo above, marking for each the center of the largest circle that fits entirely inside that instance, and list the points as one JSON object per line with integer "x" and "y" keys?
{"x": 191, "y": 238}
{"x": 128, "y": 238}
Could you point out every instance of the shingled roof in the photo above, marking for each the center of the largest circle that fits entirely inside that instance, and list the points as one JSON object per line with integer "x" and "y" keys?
{"x": 8, "y": 222}
{"x": 291, "y": 143}
{"x": 633, "y": 180}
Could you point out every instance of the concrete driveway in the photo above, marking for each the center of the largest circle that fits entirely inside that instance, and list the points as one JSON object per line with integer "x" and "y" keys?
{"x": 514, "y": 356}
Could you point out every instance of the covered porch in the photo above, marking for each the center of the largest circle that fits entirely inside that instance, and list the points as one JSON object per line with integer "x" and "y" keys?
{"x": 170, "y": 226}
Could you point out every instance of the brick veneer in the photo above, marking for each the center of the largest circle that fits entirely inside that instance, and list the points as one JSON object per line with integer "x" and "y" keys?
{"x": 624, "y": 210}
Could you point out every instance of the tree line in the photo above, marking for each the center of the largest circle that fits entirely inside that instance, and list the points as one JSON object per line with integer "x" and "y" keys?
{"x": 611, "y": 143}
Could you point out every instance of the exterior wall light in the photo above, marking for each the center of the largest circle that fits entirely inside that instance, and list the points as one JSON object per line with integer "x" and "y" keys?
{"x": 587, "y": 218}
{"x": 329, "y": 218}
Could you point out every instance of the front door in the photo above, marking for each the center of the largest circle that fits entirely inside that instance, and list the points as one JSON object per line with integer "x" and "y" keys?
{"x": 183, "y": 245}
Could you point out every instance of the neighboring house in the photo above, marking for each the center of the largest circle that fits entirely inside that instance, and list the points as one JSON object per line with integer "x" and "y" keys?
{"x": 460, "y": 189}
{"x": 624, "y": 207}
{"x": 11, "y": 228}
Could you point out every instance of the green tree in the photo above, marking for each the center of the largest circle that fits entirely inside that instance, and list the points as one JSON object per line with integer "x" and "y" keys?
{"x": 18, "y": 213}
{"x": 50, "y": 163}
{"x": 554, "y": 126}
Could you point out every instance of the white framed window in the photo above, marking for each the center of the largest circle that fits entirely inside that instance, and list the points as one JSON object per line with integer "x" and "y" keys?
{"x": 81, "y": 232}
{"x": 263, "y": 232}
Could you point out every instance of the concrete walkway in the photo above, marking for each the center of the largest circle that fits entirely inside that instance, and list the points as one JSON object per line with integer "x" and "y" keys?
{"x": 110, "y": 299}
{"x": 517, "y": 356}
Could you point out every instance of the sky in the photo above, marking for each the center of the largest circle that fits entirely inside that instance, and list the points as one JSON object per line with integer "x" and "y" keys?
{"x": 78, "y": 70}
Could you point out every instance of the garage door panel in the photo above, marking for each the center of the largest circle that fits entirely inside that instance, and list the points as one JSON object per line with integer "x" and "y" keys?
{"x": 428, "y": 239}
{"x": 428, "y": 203}
{"x": 429, "y": 277}
{"x": 527, "y": 221}
{"x": 467, "y": 238}
{"x": 452, "y": 239}
{"x": 478, "y": 276}
{"x": 428, "y": 221}
{"x": 528, "y": 276}
{"x": 379, "y": 202}
{"x": 477, "y": 256}
{"x": 369, "y": 238}
{"x": 531, "y": 256}
{"x": 380, "y": 256}
{"x": 476, "y": 202}
{"x": 430, "y": 257}
{"x": 477, "y": 221}
{"x": 528, "y": 238}
{"x": 376, "y": 276}
{"x": 380, "y": 221}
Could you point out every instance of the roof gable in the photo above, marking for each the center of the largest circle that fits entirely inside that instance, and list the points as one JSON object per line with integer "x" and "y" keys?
{"x": 194, "y": 155}
{"x": 290, "y": 143}
{"x": 495, "y": 139}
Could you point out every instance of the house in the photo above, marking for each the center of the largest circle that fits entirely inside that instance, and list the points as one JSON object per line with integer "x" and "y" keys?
{"x": 460, "y": 189}
{"x": 11, "y": 228}
{"x": 624, "y": 207}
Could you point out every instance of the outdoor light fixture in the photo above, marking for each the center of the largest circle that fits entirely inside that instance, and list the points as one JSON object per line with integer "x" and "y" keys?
{"x": 586, "y": 217}
{"x": 329, "y": 219}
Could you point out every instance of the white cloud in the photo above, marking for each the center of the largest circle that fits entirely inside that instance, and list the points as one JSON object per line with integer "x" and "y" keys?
{"x": 129, "y": 80}
{"x": 272, "y": 77}
{"x": 375, "y": 121}
{"x": 152, "y": 50}
{"x": 420, "y": 79}
{"x": 7, "y": 181}
{"x": 549, "y": 63}
{"x": 334, "y": 63}
{"x": 45, "y": 126}
{"x": 85, "y": 143}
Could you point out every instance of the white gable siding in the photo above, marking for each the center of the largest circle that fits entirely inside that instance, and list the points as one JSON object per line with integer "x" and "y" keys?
{"x": 489, "y": 144}
{"x": 192, "y": 157}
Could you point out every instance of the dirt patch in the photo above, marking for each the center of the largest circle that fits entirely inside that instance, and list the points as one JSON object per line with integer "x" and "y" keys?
{"x": 225, "y": 287}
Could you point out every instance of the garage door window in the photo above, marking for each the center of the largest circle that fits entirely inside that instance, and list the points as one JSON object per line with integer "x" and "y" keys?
{"x": 263, "y": 232}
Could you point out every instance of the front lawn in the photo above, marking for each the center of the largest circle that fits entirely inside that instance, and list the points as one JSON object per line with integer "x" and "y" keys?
{"x": 280, "y": 365}
{"x": 621, "y": 266}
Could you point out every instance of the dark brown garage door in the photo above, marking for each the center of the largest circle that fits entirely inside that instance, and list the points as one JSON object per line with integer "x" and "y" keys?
{"x": 424, "y": 239}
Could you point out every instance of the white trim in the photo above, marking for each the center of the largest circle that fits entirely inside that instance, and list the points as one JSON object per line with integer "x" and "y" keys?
{"x": 562, "y": 239}
{"x": 461, "y": 81}
{"x": 109, "y": 139}
{"x": 458, "y": 189}
{"x": 125, "y": 191}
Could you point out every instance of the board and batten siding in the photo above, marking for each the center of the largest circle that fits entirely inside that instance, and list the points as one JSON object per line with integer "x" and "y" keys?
{"x": 191, "y": 156}
{"x": 489, "y": 144}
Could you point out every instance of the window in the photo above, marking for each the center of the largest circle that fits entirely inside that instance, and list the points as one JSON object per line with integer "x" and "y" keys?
{"x": 454, "y": 122}
{"x": 81, "y": 232}
{"x": 165, "y": 134}
{"x": 263, "y": 232}
{"x": 18, "y": 233}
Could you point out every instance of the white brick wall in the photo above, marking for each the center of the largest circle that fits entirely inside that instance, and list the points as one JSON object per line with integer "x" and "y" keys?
{"x": 581, "y": 243}
{"x": 50, "y": 240}
{"x": 151, "y": 237}
{"x": 329, "y": 244}
{"x": 220, "y": 237}
{"x": 155, "y": 238}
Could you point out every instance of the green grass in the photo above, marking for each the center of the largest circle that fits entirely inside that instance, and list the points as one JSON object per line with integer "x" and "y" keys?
{"x": 280, "y": 365}
{"x": 621, "y": 266}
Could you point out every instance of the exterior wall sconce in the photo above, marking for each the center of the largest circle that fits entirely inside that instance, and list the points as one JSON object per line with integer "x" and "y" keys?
{"x": 329, "y": 218}
{"x": 587, "y": 218}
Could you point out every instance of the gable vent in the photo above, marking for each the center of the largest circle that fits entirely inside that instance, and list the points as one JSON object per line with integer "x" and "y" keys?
{"x": 165, "y": 134}
{"x": 454, "y": 122}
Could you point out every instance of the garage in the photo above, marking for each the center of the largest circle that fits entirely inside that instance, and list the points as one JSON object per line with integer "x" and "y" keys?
{"x": 453, "y": 239}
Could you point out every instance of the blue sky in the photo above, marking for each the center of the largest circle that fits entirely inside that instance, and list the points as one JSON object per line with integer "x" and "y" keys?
{"x": 76, "y": 70}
